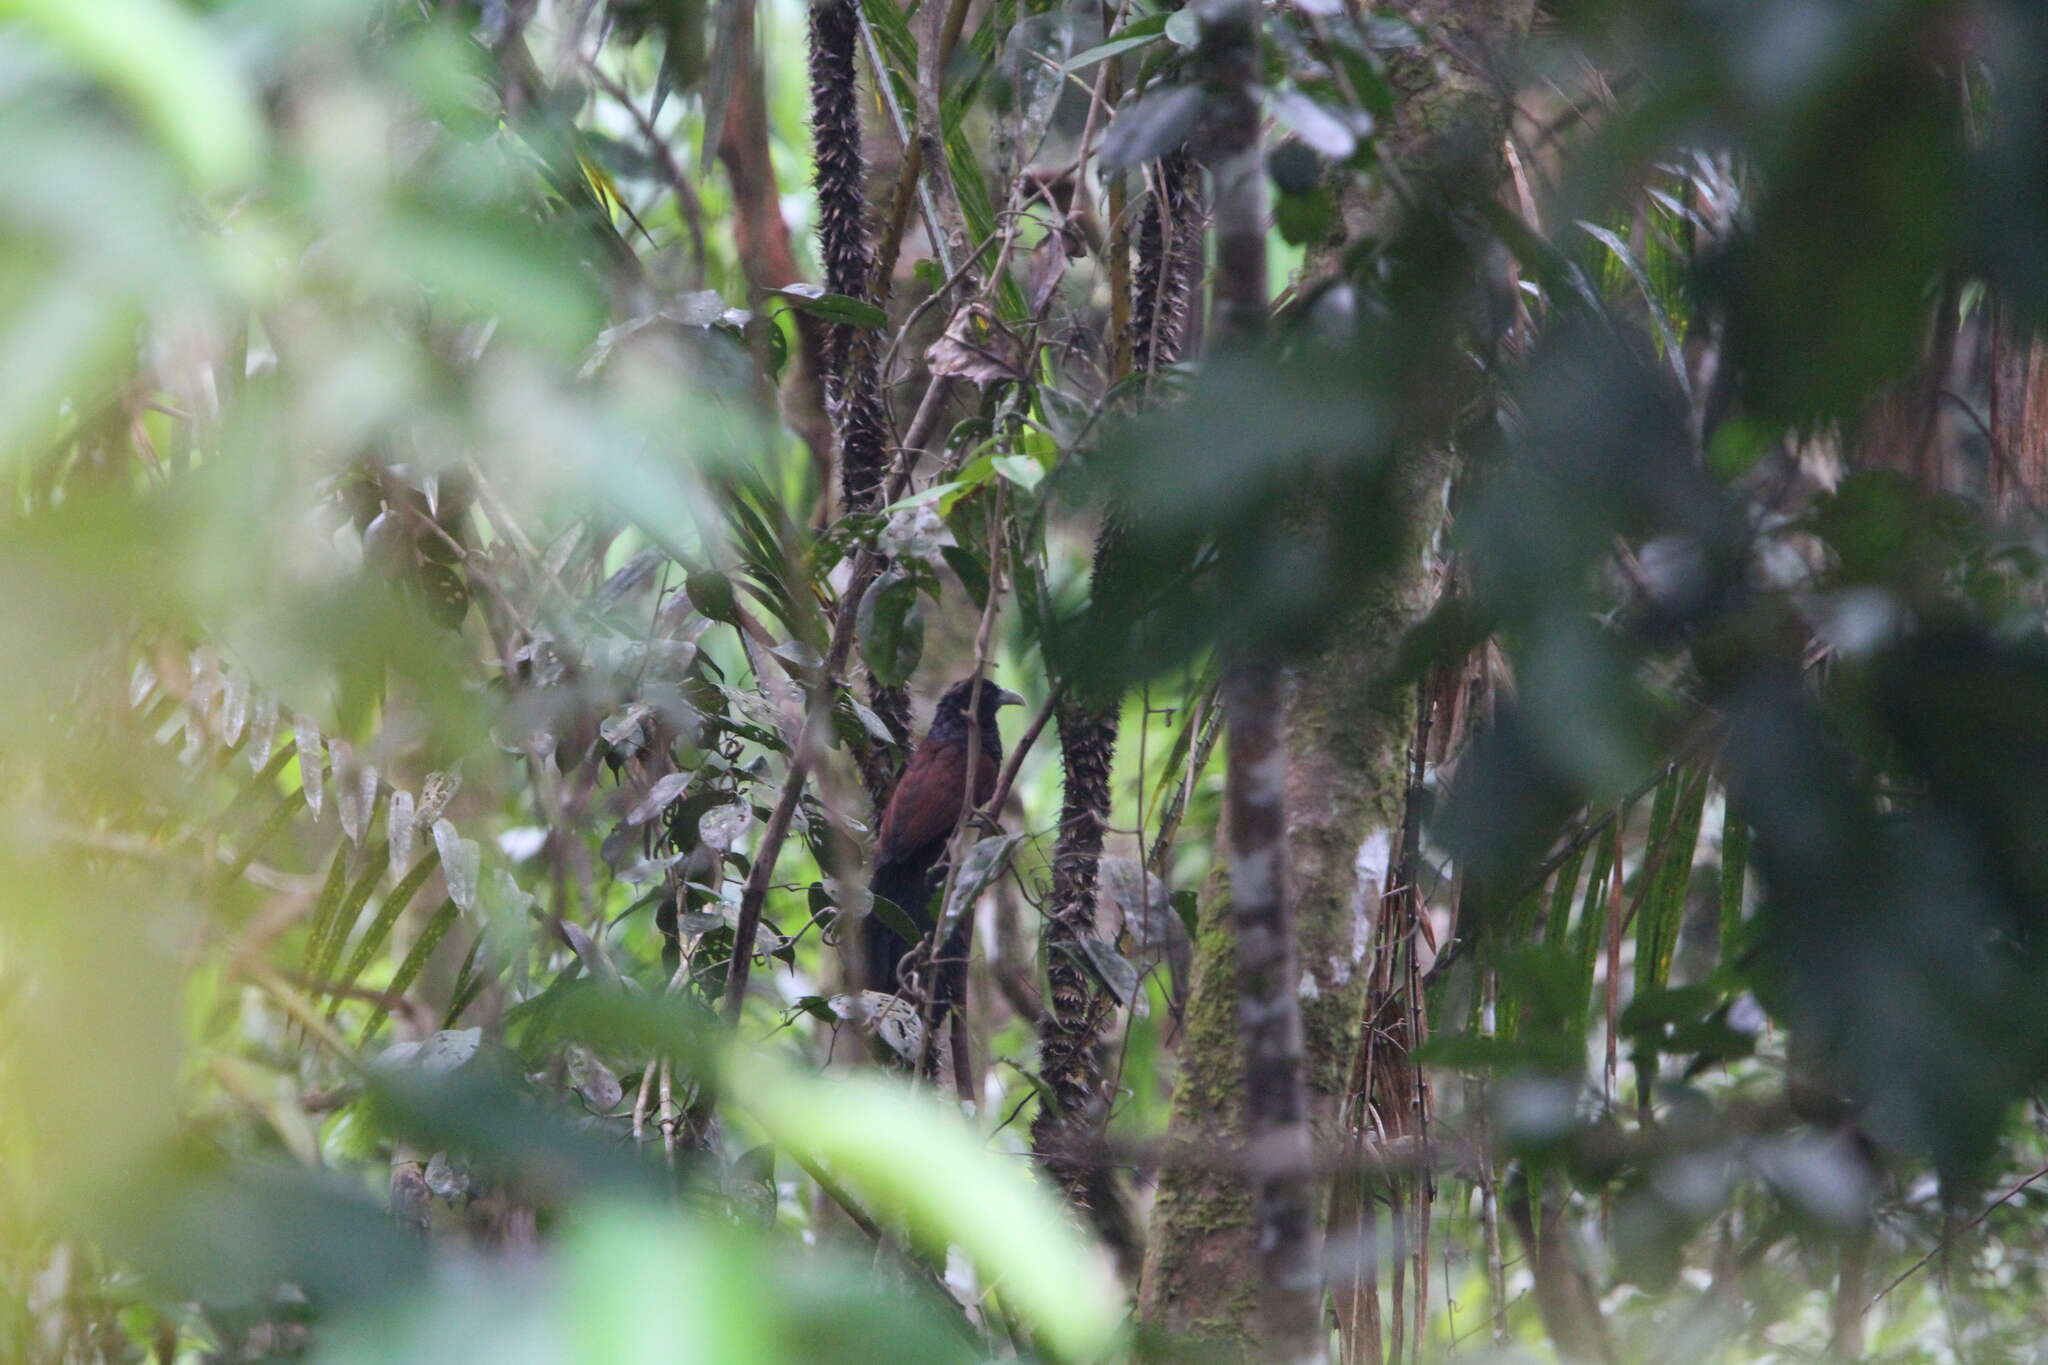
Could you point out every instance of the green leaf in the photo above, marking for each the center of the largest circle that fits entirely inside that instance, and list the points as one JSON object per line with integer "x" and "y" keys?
{"x": 1667, "y": 334}
{"x": 1021, "y": 470}
{"x": 1673, "y": 879}
{"x": 1479, "y": 1052}
{"x": 897, "y": 918}
{"x": 891, "y": 627}
{"x": 327, "y": 910}
{"x": 1563, "y": 885}
{"x": 1132, "y": 35}
{"x": 905, "y": 1155}
{"x": 1593, "y": 926}
{"x": 719, "y": 68}
{"x": 290, "y": 806}
{"x": 1114, "y": 969}
{"x": 1660, "y": 1007}
{"x": 711, "y": 592}
{"x": 983, "y": 864}
{"x": 1152, "y": 127}
{"x": 351, "y": 909}
{"x": 893, "y": 36}
{"x": 416, "y": 961}
{"x": 840, "y": 308}
{"x": 263, "y": 781}
{"x": 924, "y": 495}
{"x": 166, "y": 66}
{"x": 1305, "y": 219}
{"x": 971, "y": 570}
{"x": 469, "y": 982}
{"x": 380, "y": 927}
{"x": 1648, "y": 904}
{"x": 1328, "y": 132}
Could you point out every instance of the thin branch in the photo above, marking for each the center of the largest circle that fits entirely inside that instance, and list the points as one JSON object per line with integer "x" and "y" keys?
{"x": 802, "y": 758}
{"x": 2011, "y": 1194}
{"x": 994, "y": 805}
{"x": 678, "y": 183}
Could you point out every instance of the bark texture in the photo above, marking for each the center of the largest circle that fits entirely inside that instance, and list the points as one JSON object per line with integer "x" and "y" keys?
{"x": 1079, "y": 1007}
{"x": 849, "y": 370}
{"x": 1279, "y": 1154}
{"x": 1255, "y": 966}
{"x": 852, "y": 388}
{"x": 2019, "y": 415}
{"x": 1065, "y": 1136}
{"x": 1910, "y": 427}
{"x": 1169, "y": 260}
{"x": 762, "y": 241}
{"x": 1347, "y": 745}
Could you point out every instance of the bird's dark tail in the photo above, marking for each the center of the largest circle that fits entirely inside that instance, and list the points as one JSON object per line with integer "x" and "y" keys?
{"x": 913, "y": 884}
{"x": 908, "y": 884}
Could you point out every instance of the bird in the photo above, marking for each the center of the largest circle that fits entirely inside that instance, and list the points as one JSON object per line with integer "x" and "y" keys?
{"x": 922, "y": 813}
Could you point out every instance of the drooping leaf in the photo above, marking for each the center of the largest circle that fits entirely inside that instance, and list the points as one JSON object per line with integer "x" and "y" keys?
{"x": 415, "y": 962}
{"x": 839, "y": 308}
{"x": 1154, "y": 126}
{"x": 890, "y": 625}
{"x": 380, "y": 928}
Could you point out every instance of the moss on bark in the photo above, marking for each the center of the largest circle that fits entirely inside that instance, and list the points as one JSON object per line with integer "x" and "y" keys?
{"x": 1348, "y": 744}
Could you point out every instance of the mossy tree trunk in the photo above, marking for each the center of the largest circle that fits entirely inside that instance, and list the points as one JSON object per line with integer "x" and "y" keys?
{"x": 1347, "y": 743}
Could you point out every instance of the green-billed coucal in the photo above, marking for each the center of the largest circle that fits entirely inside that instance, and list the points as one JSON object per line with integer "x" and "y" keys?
{"x": 922, "y": 814}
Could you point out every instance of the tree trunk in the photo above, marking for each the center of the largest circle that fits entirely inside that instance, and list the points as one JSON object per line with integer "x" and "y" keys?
{"x": 848, "y": 365}
{"x": 1078, "y": 1006}
{"x": 1347, "y": 746}
{"x": 761, "y": 241}
{"x": 2019, "y": 415}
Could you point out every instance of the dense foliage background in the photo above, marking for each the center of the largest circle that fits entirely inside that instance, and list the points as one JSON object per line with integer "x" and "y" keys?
{"x": 496, "y": 486}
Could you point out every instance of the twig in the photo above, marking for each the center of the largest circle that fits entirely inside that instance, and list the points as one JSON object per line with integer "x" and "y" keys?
{"x": 949, "y": 226}
{"x": 911, "y": 170}
{"x": 686, "y": 194}
{"x": 1209, "y": 720}
{"x": 1946, "y": 1240}
{"x": 994, "y": 805}
{"x": 926, "y": 418}
{"x": 931, "y": 300}
{"x": 508, "y": 526}
{"x": 802, "y": 758}
{"x": 957, "y": 848}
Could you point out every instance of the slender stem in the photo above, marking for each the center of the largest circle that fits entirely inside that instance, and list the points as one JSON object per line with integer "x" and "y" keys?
{"x": 678, "y": 183}
{"x": 994, "y": 805}
{"x": 817, "y": 718}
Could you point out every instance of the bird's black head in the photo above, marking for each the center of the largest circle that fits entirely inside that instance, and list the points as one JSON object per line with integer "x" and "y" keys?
{"x": 949, "y": 722}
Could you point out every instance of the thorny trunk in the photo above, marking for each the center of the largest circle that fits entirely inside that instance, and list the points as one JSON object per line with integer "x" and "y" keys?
{"x": 1078, "y": 1006}
{"x": 1169, "y": 257}
{"x": 1065, "y": 1137}
{"x": 852, "y": 387}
